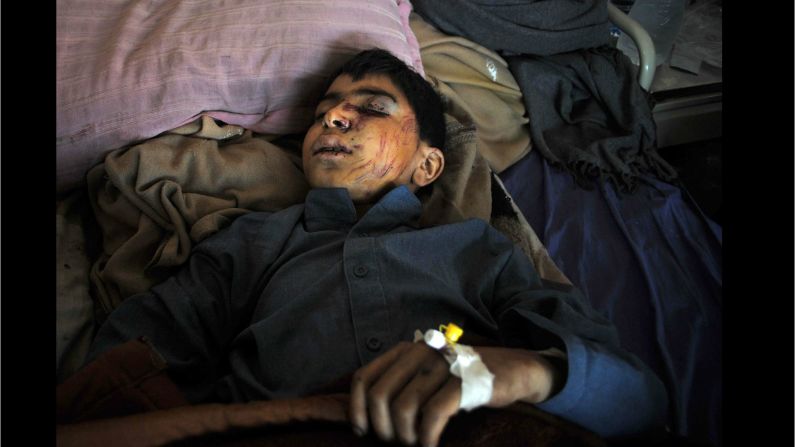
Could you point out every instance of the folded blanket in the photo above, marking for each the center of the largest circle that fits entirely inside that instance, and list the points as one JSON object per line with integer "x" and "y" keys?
{"x": 539, "y": 27}
{"x": 589, "y": 115}
{"x": 476, "y": 83}
{"x": 155, "y": 200}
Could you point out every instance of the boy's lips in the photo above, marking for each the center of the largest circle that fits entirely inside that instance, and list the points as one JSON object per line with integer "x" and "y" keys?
{"x": 330, "y": 144}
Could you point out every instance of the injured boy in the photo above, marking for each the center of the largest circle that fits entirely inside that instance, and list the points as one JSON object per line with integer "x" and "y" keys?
{"x": 280, "y": 304}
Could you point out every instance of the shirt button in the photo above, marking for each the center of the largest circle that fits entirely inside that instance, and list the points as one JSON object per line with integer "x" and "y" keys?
{"x": 373, "y": 344}
{"x": 360, "y": 271}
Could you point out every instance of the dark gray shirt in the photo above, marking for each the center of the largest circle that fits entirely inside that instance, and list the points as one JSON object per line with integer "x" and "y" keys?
{"x": 281, "y": 304}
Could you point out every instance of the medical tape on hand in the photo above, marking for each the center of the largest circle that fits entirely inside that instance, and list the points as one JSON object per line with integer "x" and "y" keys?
{"x": 477, "y": 382}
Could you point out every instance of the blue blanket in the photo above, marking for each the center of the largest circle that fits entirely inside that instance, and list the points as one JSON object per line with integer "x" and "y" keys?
{"x": 651, "y": 262}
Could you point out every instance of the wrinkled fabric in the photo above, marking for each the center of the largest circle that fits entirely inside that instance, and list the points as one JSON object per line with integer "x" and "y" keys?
{"x": 588, "y": 115}
{"x": 476, "y": 83}
{"x": 509, "y": 220}
{"x": 463, "y": 190}
{"x": 208, "y": 127}
{"x": 129, "y": 379}
{"x": 540, "y": 27}
{"x": 74, "y": 308}
{"x": 155, "y": 200}
{"x": 652, "y": 263}
{"x": 468, "y": 188}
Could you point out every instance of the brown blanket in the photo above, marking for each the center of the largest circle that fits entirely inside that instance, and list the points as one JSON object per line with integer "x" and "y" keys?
{"x": 155, "y": 200}
{"x": 313, "y": 421}
{"x": 125, "y": 398}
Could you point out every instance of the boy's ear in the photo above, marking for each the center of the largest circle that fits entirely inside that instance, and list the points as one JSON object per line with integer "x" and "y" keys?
{"x": 430, "y": 166}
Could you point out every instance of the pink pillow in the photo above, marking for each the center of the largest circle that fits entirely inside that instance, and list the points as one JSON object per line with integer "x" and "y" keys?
{"x": 127, "y": 71}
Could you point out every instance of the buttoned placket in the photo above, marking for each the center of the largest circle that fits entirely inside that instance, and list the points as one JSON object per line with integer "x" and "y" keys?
{"x": 371, "y": 320}
{"x": 332, "y": 209}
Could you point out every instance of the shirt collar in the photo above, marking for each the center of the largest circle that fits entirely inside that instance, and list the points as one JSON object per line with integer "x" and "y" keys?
{"x": 333, "y": 209}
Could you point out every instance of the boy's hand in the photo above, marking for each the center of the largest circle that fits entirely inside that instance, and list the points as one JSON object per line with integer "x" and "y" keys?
{"x": 409, "y": 394}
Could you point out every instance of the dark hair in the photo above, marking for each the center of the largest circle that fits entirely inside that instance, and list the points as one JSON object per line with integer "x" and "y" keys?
{"x": 423, "y": 99}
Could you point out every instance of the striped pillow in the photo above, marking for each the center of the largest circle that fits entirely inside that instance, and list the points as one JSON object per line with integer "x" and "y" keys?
{"x": 129, "y": 70}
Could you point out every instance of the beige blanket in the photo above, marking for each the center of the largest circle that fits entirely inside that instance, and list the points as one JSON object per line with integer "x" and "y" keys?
{"x": 155, "y": 200}
{"x": 477, "y": 83}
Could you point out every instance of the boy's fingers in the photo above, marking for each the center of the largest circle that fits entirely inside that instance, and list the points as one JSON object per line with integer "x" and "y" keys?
{"x": 438, "y": 411}
{"x": 361, "y": 381}
{"x": 390, "y": 384}
{"x": 431, "y": 375}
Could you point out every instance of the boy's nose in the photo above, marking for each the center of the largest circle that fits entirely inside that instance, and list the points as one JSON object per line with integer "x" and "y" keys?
{"x": 337, "y": 118}
{"x": 341, "y": 123}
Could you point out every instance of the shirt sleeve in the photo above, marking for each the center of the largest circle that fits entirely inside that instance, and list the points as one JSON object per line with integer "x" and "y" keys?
{"x": 607, "y": 389}
{"x": 192, "y": 317}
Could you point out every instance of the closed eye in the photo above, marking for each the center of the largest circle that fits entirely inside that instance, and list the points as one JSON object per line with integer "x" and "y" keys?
{"x": 373, "y": 110}
{"x": 378, "y": 106}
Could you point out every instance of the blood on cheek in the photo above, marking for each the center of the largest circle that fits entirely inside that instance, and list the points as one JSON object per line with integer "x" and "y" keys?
{"x": 394, "y": 144}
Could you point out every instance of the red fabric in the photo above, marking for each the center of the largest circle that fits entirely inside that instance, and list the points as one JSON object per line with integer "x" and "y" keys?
{"x": 128, "y": 379}
{"x": 313, "y": 421}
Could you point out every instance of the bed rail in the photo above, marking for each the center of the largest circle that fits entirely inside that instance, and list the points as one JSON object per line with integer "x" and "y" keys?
{"x": 642, "y": 41}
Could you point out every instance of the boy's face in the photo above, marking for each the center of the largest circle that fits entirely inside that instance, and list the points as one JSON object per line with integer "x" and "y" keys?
{"x": 364, "y": 138}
